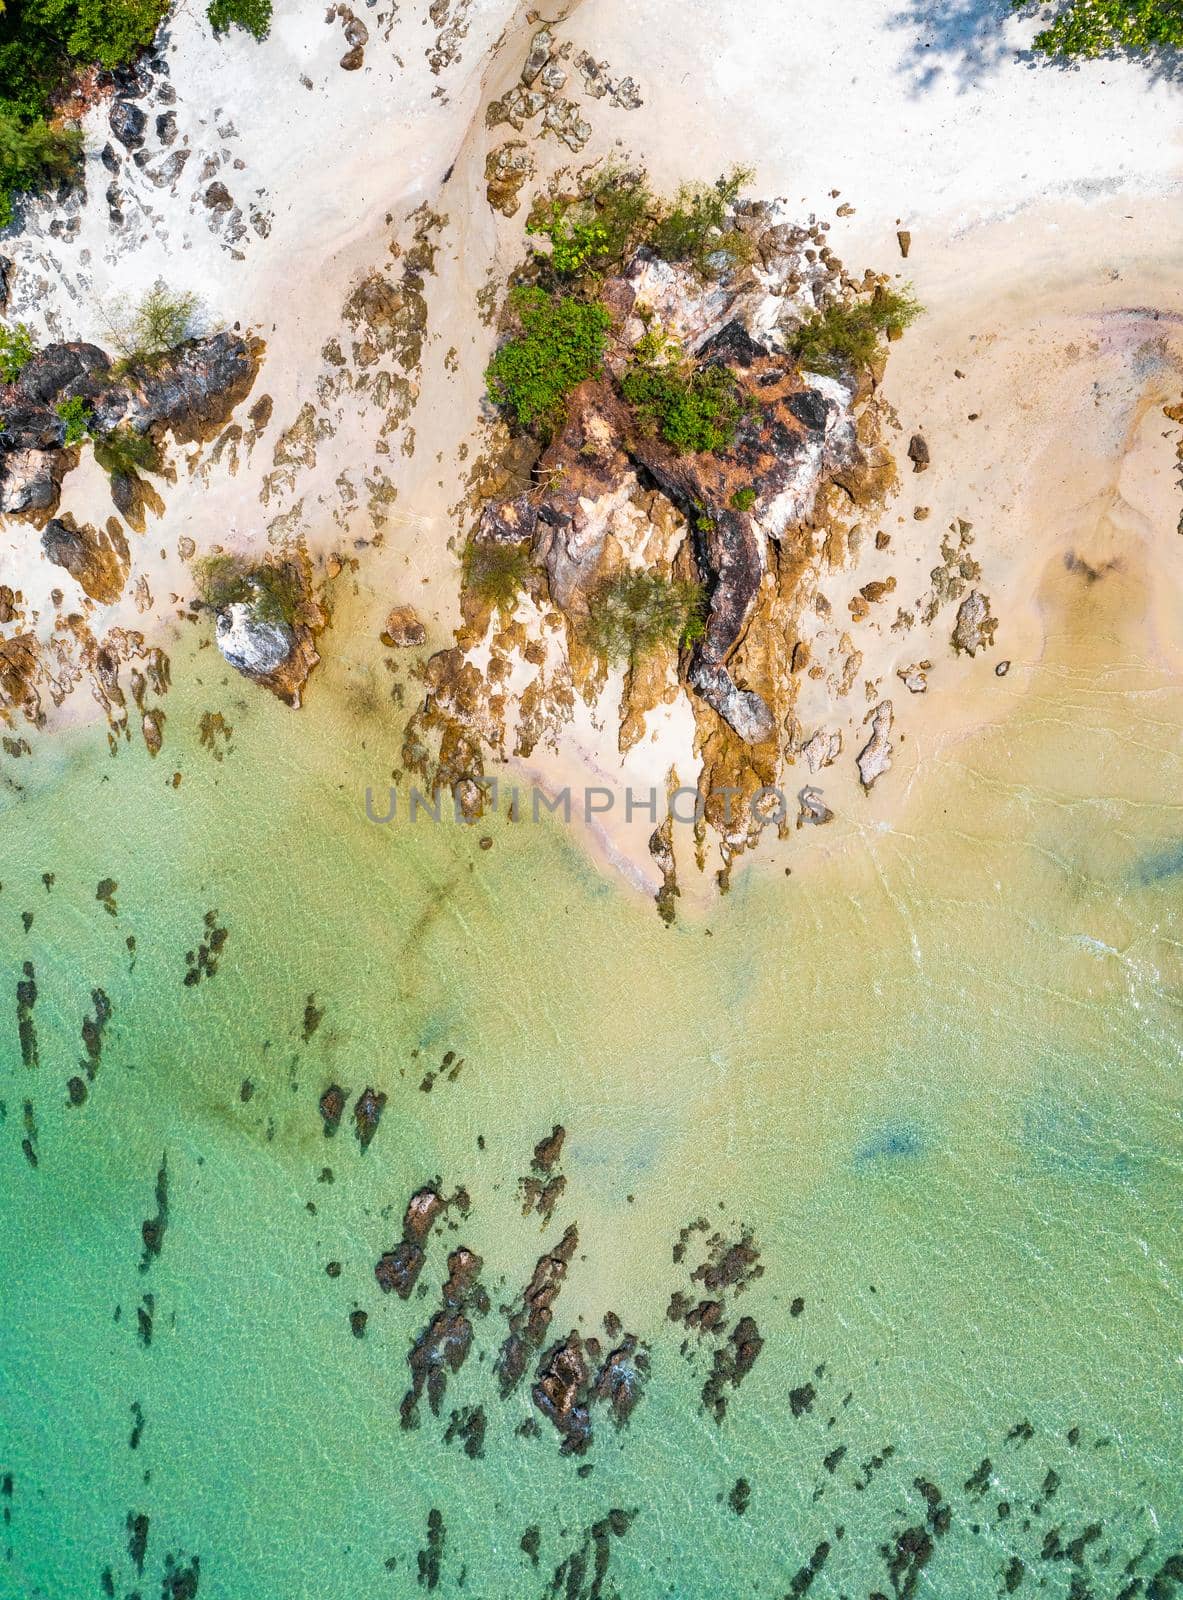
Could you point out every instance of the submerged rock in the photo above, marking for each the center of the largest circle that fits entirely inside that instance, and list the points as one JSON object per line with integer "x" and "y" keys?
{"x": 443, "y": 1345}
{"x": 367, "y": 1113}
{"x": 332, "y": 1108}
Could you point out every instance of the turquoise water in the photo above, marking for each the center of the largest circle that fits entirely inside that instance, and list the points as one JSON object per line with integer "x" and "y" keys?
{"x": 935, "y": 1075}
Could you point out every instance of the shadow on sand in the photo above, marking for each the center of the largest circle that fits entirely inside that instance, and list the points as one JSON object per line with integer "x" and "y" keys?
{"x": 964, "y": 41}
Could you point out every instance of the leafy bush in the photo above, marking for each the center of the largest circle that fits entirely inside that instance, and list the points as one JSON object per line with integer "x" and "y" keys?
{"x": 1107, "y": 27}
{"x": 124, "y": 452}
{"x": 164, "y": 319}
{"x": 599, "y": 230}
{"x": 743, "y": 499}
{"x": 32, "y": 154}
{"x": 695, "y": 228}
{"x": 495, "y": 573}
{"x": 16, "y": 351}
{"x": 562, "y": 343}
{"x": 273, "y": 593}
{"x": 77, "y": 416}
{"x": 253, "y": 15}
{"x": 107, "y": 31}
{"x": 43, "y": 45}
{"x": 624, "y": 208}
{"x": 631, "y": 614}
{"x": 574, "y": 243}
{"x": 847, "y": 335}
{"x": 692, "y": 408}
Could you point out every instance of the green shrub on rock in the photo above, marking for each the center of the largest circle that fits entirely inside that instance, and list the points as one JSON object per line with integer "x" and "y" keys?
{"x": 633, "y": 613}
{"x": 562, "y": 343}
{"x": 496, "y": 573}
{"x": 16, "y": 351}
{"x": 273, "y": 593}
{"x": 163, "y": 319}
{"x": 847, "y": 335}
{"x": 107, "y": 31}
{"x": 77, "y": 416}
{"x": 32, "y": 154}
{"x": 692, "y": 408}
{"x": 123, "y": 452}
{"x": 694, "y": 228}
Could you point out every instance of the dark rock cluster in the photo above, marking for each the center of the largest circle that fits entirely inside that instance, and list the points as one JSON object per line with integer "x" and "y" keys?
{"x": 190, "y": 391}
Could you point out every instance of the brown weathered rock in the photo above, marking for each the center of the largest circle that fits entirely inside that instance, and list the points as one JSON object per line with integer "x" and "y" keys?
{"x": 975, "y": 626}
{"x": 403, "y": 629}
{"x": 152, "y": 727}
{"x": 918, "y": 453}
{"x": 507, "y": 168}
{"x": 531, "y": 1318}
{"x": 98, "y": 560}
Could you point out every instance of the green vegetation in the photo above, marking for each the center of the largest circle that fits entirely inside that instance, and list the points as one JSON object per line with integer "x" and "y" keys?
{"x": 847, "y": 335}
{"x": 562, "y": 343}
{"x": 164, "y": 319}
{"x": 253, "y": 15}
{"x": 32, "y": 154}
{"x": 77, "y": 416}
{"x": 743, "y": 499}
{"x": 496, "y": 573}
{"x": 594, "y": 234}
{"x": 1111, "y": 27}
{"x": 624, "y": 209}
{"x": 16, "y": 351}
{"x": 692, "y": 408}
{"x": 695, "y": 228}
{"x": 633, "y": 613}
{"x": 123, "y": 453}
{"x": 43, "y": 44}
{"x": 108, "y": 32}
{"x": 575, "y": 241}
{"x": 273, "y": 593}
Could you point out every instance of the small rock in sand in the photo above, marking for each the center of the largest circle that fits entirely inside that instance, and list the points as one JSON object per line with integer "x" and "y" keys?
{"x": 822, "y": 749}
{"x": 914, "y": 678}
{"x": 813, "y": 808}
{"x": 918, "y": 452}
{"x": 975, "y": 626}
{"x": 127, "y": 123}
{"x": 403, "y": 629}
{"x": 874, "y": 758}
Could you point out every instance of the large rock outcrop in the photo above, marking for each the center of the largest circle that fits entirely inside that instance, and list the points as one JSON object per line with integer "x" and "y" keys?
{"x": 190, "y": 391}
{"x": 752, "y": 523}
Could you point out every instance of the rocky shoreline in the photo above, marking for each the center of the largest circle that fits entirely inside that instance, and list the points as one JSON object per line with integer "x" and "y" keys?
{"x": 755, "y": 523}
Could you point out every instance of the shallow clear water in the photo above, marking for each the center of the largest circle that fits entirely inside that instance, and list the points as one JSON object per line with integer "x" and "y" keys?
{"x": 935, "y": 1073}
